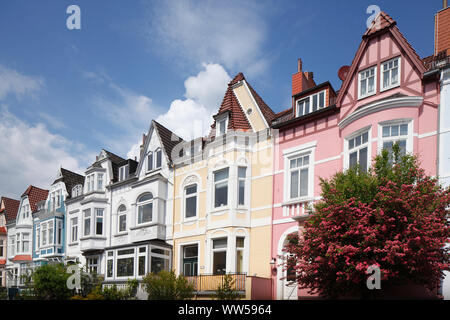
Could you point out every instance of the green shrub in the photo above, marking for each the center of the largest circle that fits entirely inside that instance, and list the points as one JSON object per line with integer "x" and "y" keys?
{"x": 167, "y": 286}
{"x": 227, "y": 291}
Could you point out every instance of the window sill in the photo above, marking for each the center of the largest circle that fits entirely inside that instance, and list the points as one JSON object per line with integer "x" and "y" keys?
{"x": 390, "y": 87}
{"x": 120, "y": 234}
{"x": 366, "y": 96}
{"x": 297, "y": 200}
{"x": 143, "y": 225}
{"x": 72, "y": 244}
{"x": 93, "y": 238}
{"x": 220, "y": 209}
{"x": 190, "y": 220}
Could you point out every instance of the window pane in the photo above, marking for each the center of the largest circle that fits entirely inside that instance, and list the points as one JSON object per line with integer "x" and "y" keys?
{"x": 394, "y": 131}
{"x": 394, "y": 76}
{"x": 351, "y": 143}
{"x": 242, "y": 172}
{"x": 307, "y": 106}
{"x": 386, "y": 131}
{"x": 145, "y": 213}
{"x": 122, "y": 223}
{"x": 220, "y": 262}
{"x": 321, "y": 100}
{"x": 385, "y": 79}
{"x": 222, "y": 127}
{"x": 403, "y": 129}
{"x": 240, "y": 242}
{"x": 159, "y": 264}
{"x": 191, "y": 251}
{"x": 299, "y": 162}
{"x": 363, "y": 159}
{"x": 314, "y": 102}
{"x": 241, "y": 192}
{"x": 141, "y": 267}
{"x": 99, "y": 226}
{"x": 293, "y": 163}
{"x": 294, "y": 184}
{"x": 357, "y": 141}
{"x": 146, "y": 197}
{"x": 125, "y": 251}
{"x": 402, "y": 145}
{"x": 371, "y": 87}
{"x": 109, "y": 269}
{"x": 221, "y": 194}
{"x": 161, "y": 251}
{"x": 158, "y": 158}
{"x": 239, "y": 261}
{"x": 363, "y": 87}
{"x": 221, "y": 174}
{"x": 303, "y": 182}
{"x": 220, "y": 243}
{"x": 125, "y": 267}
{"x": 191, "y": 207}
{"x": 365, "y": 137}
{"x": 150, "y": 162}
{"x": 87, "y": 227}
{"x": 353, "y": 159}
{"x": 191, "y": 189}
{"x": 305, "y": 160}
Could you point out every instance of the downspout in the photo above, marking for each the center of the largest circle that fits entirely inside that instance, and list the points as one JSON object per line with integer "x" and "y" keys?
{"x": 173, "y": 217}
{"x": 272, "y": 282}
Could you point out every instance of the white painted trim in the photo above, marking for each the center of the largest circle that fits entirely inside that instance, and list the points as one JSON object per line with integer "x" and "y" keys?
{"x": 380, "y": 106}
{"x": 300, "y": 148}
{"x": 399, "y": 74}
{"x": 261, "y": 222}
{"x": 280, "y": 272}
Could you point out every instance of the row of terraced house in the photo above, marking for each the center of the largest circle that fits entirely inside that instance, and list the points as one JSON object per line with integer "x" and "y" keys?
{"x": 225, "y": 203}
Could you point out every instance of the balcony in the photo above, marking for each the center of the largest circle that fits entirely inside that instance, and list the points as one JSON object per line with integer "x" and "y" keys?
{"x": 208, "y": 283}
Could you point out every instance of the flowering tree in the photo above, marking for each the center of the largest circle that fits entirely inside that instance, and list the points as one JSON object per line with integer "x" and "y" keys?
{"x": 394, "y": 217}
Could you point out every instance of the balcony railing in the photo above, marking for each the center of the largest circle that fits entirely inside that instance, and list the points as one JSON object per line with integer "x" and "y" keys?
{"x": 209, "y": 282}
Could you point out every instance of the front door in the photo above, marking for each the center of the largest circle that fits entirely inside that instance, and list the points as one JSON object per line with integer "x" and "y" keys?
{"x": 289, "y": 284}
{"x": 190, "y": 260}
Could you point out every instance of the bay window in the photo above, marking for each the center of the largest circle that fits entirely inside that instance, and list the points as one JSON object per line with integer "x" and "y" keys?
{"x": 242, "y": 174}
{"x": 125, "y": 263}
{"x": 396, "y": 131}
{"x": 367, "y": 82}
{"x": 98, "y": 221}
{"x": 358, "y": 153}
{"x": 145, "y": 208}
{"x": 221, "y": 188}
{"x": 74, "y": 229}
{"x": 50, "y": 232}
{"x": 240, "y": 254}
{"x": 190, "y": 201}
{"x": 87, "y": 222}
{"x": 25, "y": 242}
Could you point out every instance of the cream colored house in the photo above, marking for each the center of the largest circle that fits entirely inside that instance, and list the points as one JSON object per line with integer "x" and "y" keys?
{"x": 223, "y": 197}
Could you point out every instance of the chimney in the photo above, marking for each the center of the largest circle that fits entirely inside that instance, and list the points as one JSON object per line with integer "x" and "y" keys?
{"x": 299, "y": 65}
{"x": 297, "y": 79}
{"x": 442, "y": 29}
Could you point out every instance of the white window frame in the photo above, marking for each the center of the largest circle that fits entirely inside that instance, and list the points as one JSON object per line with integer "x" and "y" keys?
{"x": 360, "y": 96}
{"x": 150, "y": 162}
{"x": 44, "y": 234}
{"x": 243, "y": 250}
{"x": 185, "y": 197}
{"x": 38, "y": 237}
{"x": 409, "y": 137}
{"x": 123, "y": 172}
{"x": 25, "y": 241}
{"x": 246, "y": 187}
{"x": 295, "y": 152}
{"x": 12, "y": 250}
{"x": 74, "y": 235}
{"x": 369, "y": 147}
{"x": 77, "y": 190}
{"x": 117, "y": 257}
{"x": 214, "y": 183}
{"x": 59, "y": 232}
{"x": 99, "y": 187}
{"x": 390, "y": 86}
{"x": 84, "y": 222}
{"x": 119, "y": 215}
{"x": 158, "y": 153}
{"x": 96, "y": 216}
{"x": 218, "y": 122}
{"x": 226, "y": 250}
{"x": 51, "y": 232}
{"x": 90, "y": 265}
{"x": 310, "y": 101}
{"x": 138, "y": 204}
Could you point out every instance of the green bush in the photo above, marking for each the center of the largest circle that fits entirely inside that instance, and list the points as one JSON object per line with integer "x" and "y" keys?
{"x": 167, "y": 286}
{"x": 226, "y": 290}
{"x": 48, "y": 282}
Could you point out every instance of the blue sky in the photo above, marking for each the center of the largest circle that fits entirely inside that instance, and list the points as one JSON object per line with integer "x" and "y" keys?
{"x": 66, "y": 94}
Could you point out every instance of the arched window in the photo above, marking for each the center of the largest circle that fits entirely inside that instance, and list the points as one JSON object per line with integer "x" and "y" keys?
{"x": 190, "y": 201}
{"x": 145, "y": 208}
{"x": 122, "y": 218}
{"x": 158, "y": 158}
{"x": 77, "y": 191}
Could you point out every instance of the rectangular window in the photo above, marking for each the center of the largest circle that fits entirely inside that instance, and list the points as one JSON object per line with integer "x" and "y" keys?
{"x": 109, "y": 268}
{"x": 59, "y": 235}
{"x": 395, "y": 133}
{"x": 74, "y": 222}
{"x": 98, "y": 221}
{"x": 99, "y": 181}
{"x": 38, "y": 237}
{"x": 312, "y": 103}
{"x": 44, "y": 234}
{"x": 145, "y": 213}
{"x": 25, "y": 242}
{"x": 122, "y": 223}
{"x": 158, "y": 158}
{"x": 12, "y": 246}
{"x": 221, "y": 188}
{"x": 92, "y": 265}
{"x": 303, "y": 107}
{"x": 358, "y": 151}
{"x": 390, "y": 70}
{"x": 367, "y": 82}
{"x": 125, "y": 267}
{"x": 219, "y": 256}
{"x": 1, "y": 250}
{"x": 242, "y": 174}
{"x": 158, "y": 264}
{"x": 222, "y": 127}
{"x": 50, "y": 232}
{"x": 190, "y": 194}
{"x": 299, "y": 176}
{"x": 240, "y": 254}
{"x": 123, "y": 173}
{"x": 150, "y": 162}
{"x": 87, "y": 222}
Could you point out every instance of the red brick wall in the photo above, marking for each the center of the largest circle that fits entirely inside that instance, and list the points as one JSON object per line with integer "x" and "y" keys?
{"x": 442, "y": 31}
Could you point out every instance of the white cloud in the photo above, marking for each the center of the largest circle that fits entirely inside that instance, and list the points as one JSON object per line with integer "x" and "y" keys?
{"x": 13, "y": 82}
{"x": 192, "y": 117}
{"x": 228, "y": 32}
{"x": 31, "y": 154}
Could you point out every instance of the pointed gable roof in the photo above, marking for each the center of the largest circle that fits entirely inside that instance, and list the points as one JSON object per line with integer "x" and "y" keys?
{"x": 35, "y": 195}
{"x": 238, "y": 120}
{"x": 70, "y": 179}
{"x": 168, "y": 139}
{"x": 11, "y": 207}
{"x": 381, "y": 24}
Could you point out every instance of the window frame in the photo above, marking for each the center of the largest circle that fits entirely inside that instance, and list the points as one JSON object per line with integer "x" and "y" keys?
{"x": 142, "y": 203}
{"x": 390, "y": 86}
{"x": 186, "y": 196}
{"x": 77, "y": 191}
{"x": 310, "y": 99}
{"x": 96, "y": 217}
{"x": 375, "y": 82}
{"x": 214, "y": 183}
{"x": 72, "y": 226}
{"x": 124, "y": 172}
{"x": 119, "y": 215}
{"x": 150, "y": 162}
{"x": 355, "y": 134}
{"x": 84, "y": 222}
{"x": 158, "y": 154}
{"x": 409, "y": 136}
{"x": 214, "y": 250}
{"x": 220, "y": 120}
{"x": 245, "y": 180}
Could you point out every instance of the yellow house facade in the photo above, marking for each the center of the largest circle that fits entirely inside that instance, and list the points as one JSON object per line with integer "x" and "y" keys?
{"x": 223, "y": 196}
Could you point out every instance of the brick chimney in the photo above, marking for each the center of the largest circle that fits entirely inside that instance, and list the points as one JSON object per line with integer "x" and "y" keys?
{"x": 297, "y": 79}
{"x": 442, "y": 29}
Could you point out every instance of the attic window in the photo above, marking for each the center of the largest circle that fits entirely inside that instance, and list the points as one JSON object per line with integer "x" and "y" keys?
{"x": 311, "y": 104}
{"x": 123, "y": 172}
{"x": 158, "y": 158}
{"x": 221, "y": 126}
{"x": 77, "y": 191}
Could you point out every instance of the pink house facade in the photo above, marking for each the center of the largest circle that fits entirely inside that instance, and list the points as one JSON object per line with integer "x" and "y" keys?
{"x": 384, "y": 98}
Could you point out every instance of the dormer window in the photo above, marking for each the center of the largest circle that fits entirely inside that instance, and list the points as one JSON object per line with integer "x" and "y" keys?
{"x": 311, "y": 104}
{"x": 390, "y": 71}
{"x": 221, "y": 126}
{"x": 123, "y": 172}
{"x": 154, "y": 160}
{"x": 150, "y": 161}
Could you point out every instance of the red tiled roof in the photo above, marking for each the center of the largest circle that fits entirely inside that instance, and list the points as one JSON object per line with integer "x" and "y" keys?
{"x": 2, "y": 230}
{"x": 35, "y": 195}
{"x": 11, "y": 207}
{"x": 2, "y": 261}
{"x": 381, "y": 21}
{"x": 238, "y": 120}
{"x": 22, "y": 257}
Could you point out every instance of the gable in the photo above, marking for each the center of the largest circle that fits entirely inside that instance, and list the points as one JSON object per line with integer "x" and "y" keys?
{"x": 152, "y": 144}
{"x": 249, "y": 107}
{"x": 374, "y": 51}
